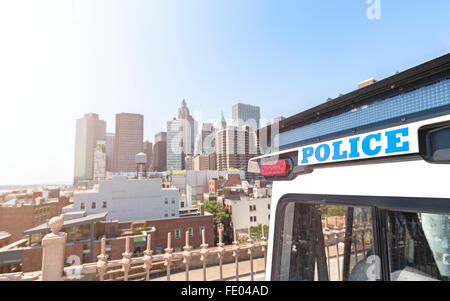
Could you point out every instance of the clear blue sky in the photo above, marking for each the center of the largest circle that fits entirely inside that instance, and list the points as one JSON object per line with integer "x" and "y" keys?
{"x": 60, "y": 59}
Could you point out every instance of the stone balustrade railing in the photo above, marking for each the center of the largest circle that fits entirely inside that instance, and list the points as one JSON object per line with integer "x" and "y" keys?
{"x": 143, "y": 267}
{"x": 130, "y": 267}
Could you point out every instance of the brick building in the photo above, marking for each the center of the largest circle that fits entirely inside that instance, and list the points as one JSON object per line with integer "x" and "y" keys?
{"x": 19, "y": 215}
{"x": 215, "y": 185}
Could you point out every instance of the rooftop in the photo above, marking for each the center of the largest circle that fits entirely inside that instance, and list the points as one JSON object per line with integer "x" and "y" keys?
{"x": 87, "y": 219}
{"x": 4, "y": 234}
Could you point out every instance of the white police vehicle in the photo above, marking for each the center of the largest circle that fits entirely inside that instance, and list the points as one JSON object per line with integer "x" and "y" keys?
{"x": 361, "y": 184}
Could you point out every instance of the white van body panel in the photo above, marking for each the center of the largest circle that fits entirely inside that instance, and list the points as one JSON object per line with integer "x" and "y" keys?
{"x": 397, "y": 179}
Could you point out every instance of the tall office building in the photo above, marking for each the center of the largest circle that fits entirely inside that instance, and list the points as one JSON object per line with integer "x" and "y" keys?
{"x": 128, "y": 141}
{"x": 189, "y": 129}
{"x": 160, "y": 152}
{"x": 109, "y": 151}
{"x": 222, "y": 124}
{"x": 181, "y": 133}
{"x": 244, "y": 114}
{"x": 235, "y": 146}
{"x": 175, "y": 150}
{"x": 161, "y": 136}
{"x": 89, "y": 130}
{"x": 148, "y": 150}
{"x": 204, "y": 144}
{"x": 100, "y": 161}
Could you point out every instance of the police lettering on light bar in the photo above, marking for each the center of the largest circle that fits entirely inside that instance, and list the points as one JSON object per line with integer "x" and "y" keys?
{"x": 386, "y": 142}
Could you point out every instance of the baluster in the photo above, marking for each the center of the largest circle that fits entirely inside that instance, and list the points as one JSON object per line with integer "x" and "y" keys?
{"x": 327, "y": 241}
{"x": 250, "y": 252}
{"x": 187, "y": 255}
{"x": 363, "y": 242}
{"x": 102, "y": 263}
{"x": 204, "y": 253}
{"x": 236, "y": 254}
{"x": 148, "y": 258}
{"x": 168, "y": 256}
{"x": 221, "y": 252}
{"x": 126, "y": 260}
{"x": 336, "y": 235}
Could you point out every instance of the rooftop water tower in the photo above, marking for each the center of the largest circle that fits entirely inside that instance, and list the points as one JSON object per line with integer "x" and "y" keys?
{"x": 141, "y": 165}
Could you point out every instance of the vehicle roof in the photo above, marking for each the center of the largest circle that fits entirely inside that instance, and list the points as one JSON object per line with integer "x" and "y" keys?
{"x": 421, "y": 75}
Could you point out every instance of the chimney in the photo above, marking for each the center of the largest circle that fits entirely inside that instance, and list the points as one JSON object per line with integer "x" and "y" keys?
{"x": 201, "y": 208}
{"x": 366, "y": 83}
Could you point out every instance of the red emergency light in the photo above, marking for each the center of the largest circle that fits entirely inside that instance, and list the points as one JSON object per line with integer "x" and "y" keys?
{"x": 276, "y": 168}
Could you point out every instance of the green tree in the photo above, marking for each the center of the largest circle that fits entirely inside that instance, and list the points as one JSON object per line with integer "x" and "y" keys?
{"x": 220, "y": 217}
{"x": 256, "y": 232}
{"x": 332, "y": 210}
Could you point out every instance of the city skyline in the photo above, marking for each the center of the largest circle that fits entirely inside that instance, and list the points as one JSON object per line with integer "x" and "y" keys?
{"x": 144, "y": 57}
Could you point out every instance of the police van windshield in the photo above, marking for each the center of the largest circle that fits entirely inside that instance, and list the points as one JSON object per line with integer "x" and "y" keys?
{"x": 330, "y": 242}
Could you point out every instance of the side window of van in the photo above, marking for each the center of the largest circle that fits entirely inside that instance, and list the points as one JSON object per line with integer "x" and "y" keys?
{"x": 326, "y": 242}
{"x": 418, "y": 246}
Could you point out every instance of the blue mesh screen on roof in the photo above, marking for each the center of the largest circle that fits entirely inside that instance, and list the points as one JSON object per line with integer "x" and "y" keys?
{"x": 422, "y": 99}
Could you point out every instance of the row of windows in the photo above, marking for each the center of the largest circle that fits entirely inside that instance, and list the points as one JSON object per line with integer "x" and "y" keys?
{"x": 190, "y": 230}
{"x": 253, "y": 207}
{"x": 253, "y": 218}
{"x": 40, "y": 218}
{"x": 166, "y": 201}
{"x": 41, "y": 209}
{"x": 167, "y": 214}
{"x": 93, "y": 205}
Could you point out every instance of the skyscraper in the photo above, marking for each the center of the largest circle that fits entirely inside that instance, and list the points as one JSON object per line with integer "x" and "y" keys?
{"x": 89, "y": 130}
{"x": 160, "y": 152}
{"x": 110, "y": 137}
{"x": 161, "y": 136}
{"x": 100, "y": 160}
{"x": 235, "y": 146}
{"x": 244, "y": 114}
{"x": 204, "y": 144}
{"x": 181, "y": 133}
{"x": 222, "y": 124}
{"x": 128, "y": 141}
{"x": 189, "y": 133}
{"x": 175, "y": 145}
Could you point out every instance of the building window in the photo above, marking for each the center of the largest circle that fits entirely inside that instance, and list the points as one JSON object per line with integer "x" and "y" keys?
{"x": 268, "y": 206}
{"x": 93, "y": 205}
{"x": 166, "y": 201}
{"x": 166, "y": 215}
{"x": 82, "y": 206}
{"x": 191, "y": 232}
{"x": 201, "y": 229}
{"x": 173, "y": 201}
{"x": 173, "y": 214}
{"x": 252, "y": 207}
{"x": 251, "y": 218}
{"x": 104, "y": 204}
{"x": 177, "y": 233}
{"x": 182, "y": 204}
{"x": 254, "y": 218}
{"x": 268, "y": 217}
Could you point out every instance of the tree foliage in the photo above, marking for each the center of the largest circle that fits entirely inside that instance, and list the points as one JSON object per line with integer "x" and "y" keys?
{"x": 220, "y": 217}
{"x": 256, "y": 232}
